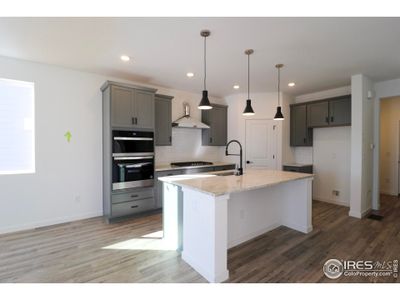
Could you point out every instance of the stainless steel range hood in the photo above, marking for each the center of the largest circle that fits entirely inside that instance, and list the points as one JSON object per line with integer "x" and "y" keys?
{"x": 187, "y": 121}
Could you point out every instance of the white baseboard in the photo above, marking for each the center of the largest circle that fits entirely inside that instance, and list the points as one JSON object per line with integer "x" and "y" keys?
{"x": 49, "y": 222}
{"x": 297, "y": 227}
{"x": 359, "y": 215}
{"x": 332, "y": 201}
{"x": 215, "y": 278}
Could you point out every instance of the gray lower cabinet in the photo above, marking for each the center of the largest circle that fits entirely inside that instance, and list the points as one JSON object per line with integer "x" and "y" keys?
{"x": 299, "y": 169}
{"x": 158, "y": 188}
{"x": 318, "y": 114}
{"x": 300, "y": 134}
{"x": 217, "y": 119}
{"x": 127, "y": 203}
{"x": 340, "y": 111}
{"x": 163, "y": 120}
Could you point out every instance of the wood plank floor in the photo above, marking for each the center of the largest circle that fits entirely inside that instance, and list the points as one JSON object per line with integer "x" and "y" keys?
{"x": 88, "y": 250}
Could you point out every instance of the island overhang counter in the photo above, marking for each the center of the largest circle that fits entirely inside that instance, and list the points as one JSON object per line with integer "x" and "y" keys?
{"x": 206, "y": 214}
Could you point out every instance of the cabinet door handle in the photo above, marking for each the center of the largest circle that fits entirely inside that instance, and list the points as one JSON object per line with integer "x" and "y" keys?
{"x": 133, "y": 121}
{"x": 326, "y": 119}
{"x": 134, "y": 196}
{"x": 332, "y": 119}
{"x": 170, "y": 139}
{"x": 136, "y": 121}
{"x": 134, "y": 206}
{"x": 304, "y": 140}
{"x": 210, "y": 139}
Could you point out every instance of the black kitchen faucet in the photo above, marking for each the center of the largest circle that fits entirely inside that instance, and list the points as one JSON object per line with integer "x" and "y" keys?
{"x": 240, "y": 169}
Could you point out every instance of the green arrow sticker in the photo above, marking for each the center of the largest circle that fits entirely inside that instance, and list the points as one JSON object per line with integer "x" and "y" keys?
{"x": 68, "y": 136}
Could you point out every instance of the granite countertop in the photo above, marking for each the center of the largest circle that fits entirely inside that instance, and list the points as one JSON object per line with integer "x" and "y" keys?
{"x": 168, "y": 167}
{"x": 211, "y": 183}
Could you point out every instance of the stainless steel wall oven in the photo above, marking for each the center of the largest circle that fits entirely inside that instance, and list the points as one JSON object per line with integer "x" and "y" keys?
{"x": 133, "y": 159}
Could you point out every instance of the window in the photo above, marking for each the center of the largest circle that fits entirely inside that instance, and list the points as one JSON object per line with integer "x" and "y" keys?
{"x": 17, "y": 129}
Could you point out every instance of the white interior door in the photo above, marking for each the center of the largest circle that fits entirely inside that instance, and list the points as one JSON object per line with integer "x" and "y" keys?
{"x": 261, "y": 144}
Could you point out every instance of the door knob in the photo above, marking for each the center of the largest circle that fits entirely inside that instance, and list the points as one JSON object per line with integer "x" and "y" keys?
{"x": 249, "y": 162}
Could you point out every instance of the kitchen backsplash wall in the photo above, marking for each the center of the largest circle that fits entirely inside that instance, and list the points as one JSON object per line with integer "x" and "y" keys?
{"x": 303, "y": 155}
{"x": 186, "y": 145}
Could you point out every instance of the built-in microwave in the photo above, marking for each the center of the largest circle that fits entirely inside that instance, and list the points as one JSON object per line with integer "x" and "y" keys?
{"x": 133, "y": 159}
{"x": 127, "y": 142}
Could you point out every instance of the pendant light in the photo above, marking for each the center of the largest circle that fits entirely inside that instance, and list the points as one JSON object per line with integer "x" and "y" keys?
{"x": 279, "y": 115}
{"x": 205, "y": 103}
{"x": 248, "y": 111}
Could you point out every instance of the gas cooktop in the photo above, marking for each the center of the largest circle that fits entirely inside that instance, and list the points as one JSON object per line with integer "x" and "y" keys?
{"x": 190, "y": 163}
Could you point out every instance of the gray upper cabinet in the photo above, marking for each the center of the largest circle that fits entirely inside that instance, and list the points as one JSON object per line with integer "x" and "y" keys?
{"x": 122, "y": 106}
{"x": 144, "y": 109}
{"x": 321, "y": 113}
{"x": 163, "y": 120}
{"x": 318, "y": 114}
{"x": 131, "y": 106}
{"x": 300, "y": 134}
{"x": 217, "y": 119}
{"x": 340, "y": 111}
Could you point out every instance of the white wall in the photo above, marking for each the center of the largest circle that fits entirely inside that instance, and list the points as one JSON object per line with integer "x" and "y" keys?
{"x": 361, "y": 141}
{"x": 389, "y": 145}
{"x": 331, "y": 153}
{"x": 383, "y": 89}
{"x": 67, "y": 184}
{"x": 264, "y": 105}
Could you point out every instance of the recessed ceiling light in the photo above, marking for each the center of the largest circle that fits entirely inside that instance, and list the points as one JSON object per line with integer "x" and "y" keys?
{"x": 236, "y": 86}
{"x": 291, "y": 84}
{"x": 125, "y": 58}
{"x": 190, "y": 74}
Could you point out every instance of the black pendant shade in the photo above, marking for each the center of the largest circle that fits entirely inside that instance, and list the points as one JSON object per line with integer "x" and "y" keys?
{"x": 248, "y": 111}
{"x": 278, "y": 115}
{"x": 205, "y": 103}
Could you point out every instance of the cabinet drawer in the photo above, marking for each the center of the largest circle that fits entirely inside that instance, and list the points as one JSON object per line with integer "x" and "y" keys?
{"x": 131, "y": 196}
{"x": 223, "y": 168}
{"x": 132, "y": 207}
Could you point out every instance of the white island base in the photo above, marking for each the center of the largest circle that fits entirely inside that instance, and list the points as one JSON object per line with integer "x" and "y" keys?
{"x": 204, "y": 225}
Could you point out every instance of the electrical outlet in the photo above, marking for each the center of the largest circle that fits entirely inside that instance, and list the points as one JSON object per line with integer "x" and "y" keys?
{"x": 335, "y": 193}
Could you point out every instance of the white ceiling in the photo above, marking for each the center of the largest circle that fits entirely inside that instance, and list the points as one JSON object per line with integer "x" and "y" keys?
{"x": 318, "y": 53}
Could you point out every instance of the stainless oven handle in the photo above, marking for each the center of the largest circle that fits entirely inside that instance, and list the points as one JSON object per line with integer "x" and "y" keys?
{"x": 134, "y": 158}
{"x": 119, "y": 138}
{"x": 136, "y": 165}
{"x": 132, "y": 154}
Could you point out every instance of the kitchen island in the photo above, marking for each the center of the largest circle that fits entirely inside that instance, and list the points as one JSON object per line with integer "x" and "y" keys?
{"x": 206, "y": 214}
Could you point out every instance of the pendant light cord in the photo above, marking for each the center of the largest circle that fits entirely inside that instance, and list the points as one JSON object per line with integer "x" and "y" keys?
{"x": 205, "y": 62}
{"x": 279, "y": 86}
{"x": 248, "y": 76}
